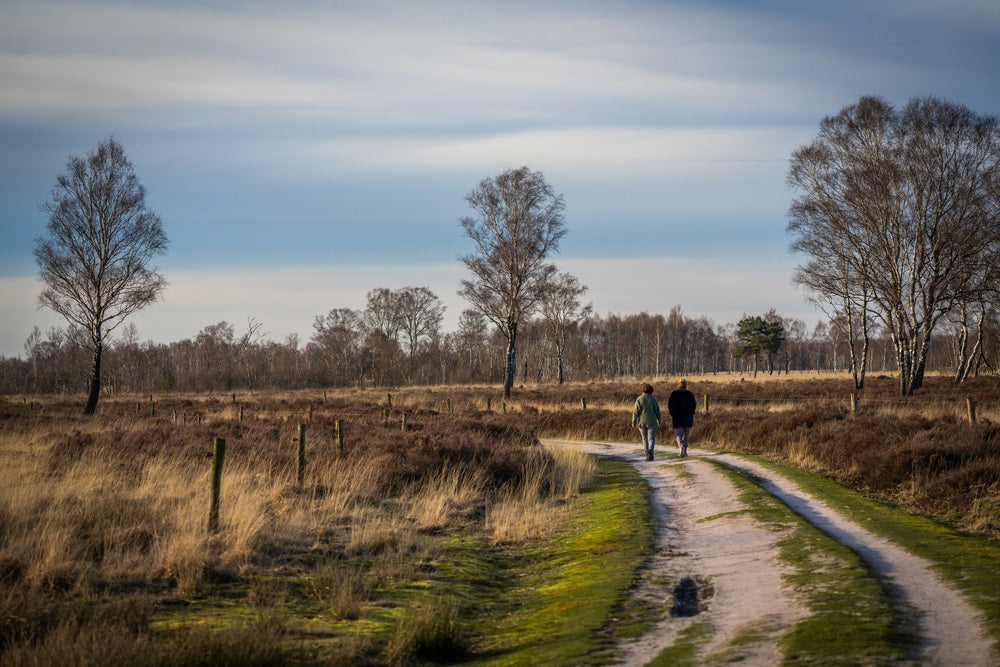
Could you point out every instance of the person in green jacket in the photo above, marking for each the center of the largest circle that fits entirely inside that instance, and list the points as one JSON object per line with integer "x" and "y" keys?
{"x": 646, "y": 415}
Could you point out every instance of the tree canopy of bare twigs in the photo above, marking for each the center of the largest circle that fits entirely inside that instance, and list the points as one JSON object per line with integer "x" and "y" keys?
{"x": 95, "y": 260}
{"x": 420, "y": 314}
{"x": 562, "y": 310}
{"x": 896, "y": 215}
{"x": 517, "y": 225}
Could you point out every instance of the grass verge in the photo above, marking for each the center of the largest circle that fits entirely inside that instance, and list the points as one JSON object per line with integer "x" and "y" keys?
{"x": 544, "y": 601}
{"x": 568, "y": 589}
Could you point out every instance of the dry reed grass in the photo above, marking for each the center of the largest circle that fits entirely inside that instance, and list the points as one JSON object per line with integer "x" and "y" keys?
{"x": 93, "y": 506}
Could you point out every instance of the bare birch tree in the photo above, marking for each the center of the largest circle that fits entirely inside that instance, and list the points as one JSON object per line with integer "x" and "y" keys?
{"x": 420, "y": 313}
{"x": 562, "y": 310}
{"x": 898, "y": 207}
{"x": 518, "y": 223}
{"x": 94, "y": 262}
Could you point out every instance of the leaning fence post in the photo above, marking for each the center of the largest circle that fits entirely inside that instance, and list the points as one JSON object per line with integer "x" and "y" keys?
{"x": 301, "y": 469}
{"x": 339, "y": 425}
{"x": 218, "y": 456}
{"x": 854, "y": 404}
{"x": 970, "y": 404}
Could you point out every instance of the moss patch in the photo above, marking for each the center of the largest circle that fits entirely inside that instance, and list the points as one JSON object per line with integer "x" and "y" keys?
{"x": 569, "y": 589}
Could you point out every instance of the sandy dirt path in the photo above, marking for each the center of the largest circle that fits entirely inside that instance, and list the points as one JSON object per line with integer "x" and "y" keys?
{"x": 706, "y": 534}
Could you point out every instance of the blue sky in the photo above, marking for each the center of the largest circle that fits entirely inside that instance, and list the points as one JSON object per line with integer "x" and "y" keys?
{"x": 303, "y": 153}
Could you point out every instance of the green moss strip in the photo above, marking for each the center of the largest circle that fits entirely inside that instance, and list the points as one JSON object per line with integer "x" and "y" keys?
{"x": 565, "y": 590}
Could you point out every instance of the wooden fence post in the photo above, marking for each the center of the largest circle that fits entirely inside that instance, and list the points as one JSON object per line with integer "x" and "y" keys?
{"x": 310, "y": 412}
{"x": 854, "y": 404}
{"x": 388, "y": 400}
{"x": 489, "y": 404}
{"x": 583, "y": 403}
{"x": 706, "y": 404}
{"x": 218, "y": 456}
{"x": 301, "y": 468}
{"x": 385, "y": 416}
{"x": 404, "y": 420}
{"x": 970, "y": 405}
{"x": 339, "y": 426}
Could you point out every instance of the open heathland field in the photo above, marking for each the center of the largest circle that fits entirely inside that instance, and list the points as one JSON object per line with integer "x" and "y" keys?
{"x": 429, "y": 524}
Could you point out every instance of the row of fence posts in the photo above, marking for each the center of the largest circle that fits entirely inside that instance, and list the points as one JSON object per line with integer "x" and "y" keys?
{"x": 219, "y": 456}
{"x": 219, "y": 447}
{"x": 970, "y": 407}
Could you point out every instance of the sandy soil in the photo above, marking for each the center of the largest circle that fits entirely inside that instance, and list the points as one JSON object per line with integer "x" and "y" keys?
{"x": 705, "y": 534}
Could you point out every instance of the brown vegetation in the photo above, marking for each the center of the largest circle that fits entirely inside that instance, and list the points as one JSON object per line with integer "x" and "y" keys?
{"x": 103, "y": 520}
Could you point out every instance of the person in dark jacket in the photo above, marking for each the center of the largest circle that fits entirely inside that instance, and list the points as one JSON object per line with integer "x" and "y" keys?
{"x": 681, "y": 405}
{"x": 646, "y": 415}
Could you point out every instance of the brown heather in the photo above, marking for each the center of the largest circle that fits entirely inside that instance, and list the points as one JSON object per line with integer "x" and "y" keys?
{"x": 92, "y": 509}
{"x": 919, "y": 452}
{"x": 103, "y": 520}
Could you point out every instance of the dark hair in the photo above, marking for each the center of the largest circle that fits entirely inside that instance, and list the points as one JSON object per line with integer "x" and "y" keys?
{"x": 647, "y": 388}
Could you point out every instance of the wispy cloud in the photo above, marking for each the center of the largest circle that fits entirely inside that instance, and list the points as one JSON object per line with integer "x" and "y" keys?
{"x": 277, "y": 134}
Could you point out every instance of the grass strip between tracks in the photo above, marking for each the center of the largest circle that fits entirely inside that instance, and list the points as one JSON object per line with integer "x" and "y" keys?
{"x": 853, "y": 619}
{"x": 968, "y": 562}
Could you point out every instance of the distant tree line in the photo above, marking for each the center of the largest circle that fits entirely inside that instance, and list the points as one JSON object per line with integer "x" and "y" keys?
{"x": 397, "y": 339}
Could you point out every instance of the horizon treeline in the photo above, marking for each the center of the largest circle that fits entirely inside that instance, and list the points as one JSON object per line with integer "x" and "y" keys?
{"x": 346, "y": 350}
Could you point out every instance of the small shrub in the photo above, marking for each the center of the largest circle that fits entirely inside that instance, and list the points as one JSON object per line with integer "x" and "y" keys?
{"x": 343, "y": 588}
{"x": 428, "y": 632}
